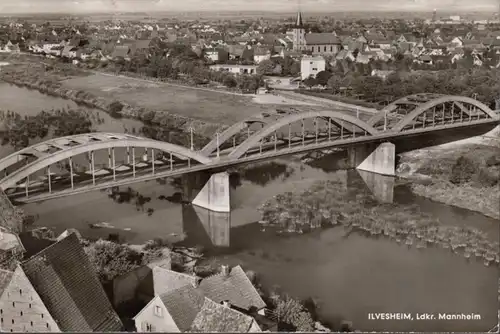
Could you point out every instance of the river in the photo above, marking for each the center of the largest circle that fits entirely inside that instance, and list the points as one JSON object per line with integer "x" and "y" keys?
{"x": 348, "y": 276}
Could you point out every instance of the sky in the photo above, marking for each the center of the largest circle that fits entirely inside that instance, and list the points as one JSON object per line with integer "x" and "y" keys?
{"x": 81, "y": 6}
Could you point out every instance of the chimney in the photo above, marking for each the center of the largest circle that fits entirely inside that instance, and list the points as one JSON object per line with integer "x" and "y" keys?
{"x": 224, "y": 270}
{"x": 226, "y": 303}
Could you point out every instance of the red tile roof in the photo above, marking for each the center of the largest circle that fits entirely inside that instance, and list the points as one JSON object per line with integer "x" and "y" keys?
{"x": 66, "y": 281}
{"x": 234, "y": 287}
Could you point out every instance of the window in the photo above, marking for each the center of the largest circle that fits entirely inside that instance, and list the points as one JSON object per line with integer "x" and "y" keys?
{"x": 147, "y": 327}
{"x": 315, "y": 69}
{"x": 13, "y": 304}
{"x": 310, "y": 63}
{"x": 158, "y": 311}
{"x": 331, "y": 48}
{"x": 324, "y": 48}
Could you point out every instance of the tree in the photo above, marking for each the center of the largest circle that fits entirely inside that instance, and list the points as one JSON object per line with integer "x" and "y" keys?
{"x": 310, "y": 82}
{"x": 323, "y": 77}
{"x": 265, "y": 67}
{"x": 463, "y": 171}
{"x": 112, "y": 260}
{"x": 335, "y": 82}
{"x": 293, "y": 313}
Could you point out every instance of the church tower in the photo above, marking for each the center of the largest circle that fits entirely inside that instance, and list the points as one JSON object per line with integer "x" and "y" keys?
{"x": 299, "y": 34}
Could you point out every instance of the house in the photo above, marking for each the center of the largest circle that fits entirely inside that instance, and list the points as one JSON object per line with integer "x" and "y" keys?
{"x": 67, "y": 284}
{"x": 173, "y": 311}
{"x": 235, "y": 69}
{"x": 11, "y": 248}
{"x": 240, "y": 52}
{"x": 234, "y": 286}
{"x": 260, "y": 54}
{"x": 311, "y": 66}
{"x": 121, "y": 52}
{"x": 162, "y": 280}
{"x": 217, "y": 55}
{"x": 21, "y": 308}
{"x": 216, "y": 318}
{"x": 69, "y": 51}
{"x": 381, "y": 73}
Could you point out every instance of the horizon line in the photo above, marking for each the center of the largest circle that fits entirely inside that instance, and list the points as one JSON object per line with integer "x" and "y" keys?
{"x": 379, "y": 10}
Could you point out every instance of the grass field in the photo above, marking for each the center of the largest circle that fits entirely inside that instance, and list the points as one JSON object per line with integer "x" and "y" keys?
{"x": 199, "y": 104}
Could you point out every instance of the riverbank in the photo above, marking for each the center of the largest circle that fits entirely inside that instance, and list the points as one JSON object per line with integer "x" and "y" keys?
{"x": 465, "y": 174}
{"x": 51, "y": 82}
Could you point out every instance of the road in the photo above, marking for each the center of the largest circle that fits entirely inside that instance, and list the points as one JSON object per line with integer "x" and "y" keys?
{"x": 327, "y": 102}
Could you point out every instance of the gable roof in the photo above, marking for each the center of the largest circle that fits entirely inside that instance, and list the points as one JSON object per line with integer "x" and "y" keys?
{"x": 68, "y": 285}
{"x": 321, "y": 39}
{"x": 161, "y": 280}
{"x": 121, "y": 51}
{"x": 22, "y": 308}
{"x": 234, "y": 287}
{"x": 217, "y": 318}
{"x": 183, "y": 305}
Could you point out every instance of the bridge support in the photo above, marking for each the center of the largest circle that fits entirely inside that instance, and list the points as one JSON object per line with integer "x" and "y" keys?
{"x": 215, "y": 194}
{"x": 375, "y": 158}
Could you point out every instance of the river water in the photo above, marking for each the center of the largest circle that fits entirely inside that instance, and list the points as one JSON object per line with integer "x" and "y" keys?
{"x": 348, "y": 276}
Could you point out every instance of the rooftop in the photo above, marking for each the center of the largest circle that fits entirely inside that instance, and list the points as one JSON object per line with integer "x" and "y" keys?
{"x": 68, "y": 285}
{"x": 218, "y": 318}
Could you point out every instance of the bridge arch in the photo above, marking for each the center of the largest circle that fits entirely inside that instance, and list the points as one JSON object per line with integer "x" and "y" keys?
{"x": 111, "y": 141}
{"x": 406, "y": 100}
{"x": 227, "y": 134}
{"x": 334, "y": 116}
{"x": 440, "y": 100}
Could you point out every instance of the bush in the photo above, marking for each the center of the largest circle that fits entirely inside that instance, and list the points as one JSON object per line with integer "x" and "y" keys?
{"x": 463, "y": 171}
{"x": 486, "y": 178}
{"x": 112, "y": 260}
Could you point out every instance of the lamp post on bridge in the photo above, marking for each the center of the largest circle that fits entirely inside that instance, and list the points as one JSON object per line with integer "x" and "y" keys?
{"x": 217, "y": 139}
{"x": 191, "y": 134}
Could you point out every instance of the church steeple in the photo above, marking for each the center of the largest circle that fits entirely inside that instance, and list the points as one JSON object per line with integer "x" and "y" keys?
{"x": 299, "y": 23}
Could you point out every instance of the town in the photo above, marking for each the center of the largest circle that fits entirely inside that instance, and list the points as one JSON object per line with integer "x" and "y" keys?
{"x": 58, "y": 280}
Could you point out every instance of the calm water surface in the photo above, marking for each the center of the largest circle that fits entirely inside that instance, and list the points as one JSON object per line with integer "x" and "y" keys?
{"x": 349, "y": 276}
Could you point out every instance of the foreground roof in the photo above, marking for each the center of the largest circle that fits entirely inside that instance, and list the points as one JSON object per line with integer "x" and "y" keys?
{"x": 68, "y": 285}
{"x": 183, "y": 305}
{"x": 218, "y": 318}
{"x": 234, "y": 287}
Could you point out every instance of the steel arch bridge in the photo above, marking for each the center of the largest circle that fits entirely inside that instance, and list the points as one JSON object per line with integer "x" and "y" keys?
{"x": 31, "y": 172}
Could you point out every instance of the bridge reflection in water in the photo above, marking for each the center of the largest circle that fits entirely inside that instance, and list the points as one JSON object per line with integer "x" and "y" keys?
{"x": 211, "y": 229}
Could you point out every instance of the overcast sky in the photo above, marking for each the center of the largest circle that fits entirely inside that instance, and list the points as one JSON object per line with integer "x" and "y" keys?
{"x": 31, "y": 6}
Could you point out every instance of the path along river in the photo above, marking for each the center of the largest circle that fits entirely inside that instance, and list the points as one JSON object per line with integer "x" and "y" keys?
{"x": 349, "y": 276}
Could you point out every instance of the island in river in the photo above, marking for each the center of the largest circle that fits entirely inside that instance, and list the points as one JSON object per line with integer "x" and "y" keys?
{"x": 349, "y": 273}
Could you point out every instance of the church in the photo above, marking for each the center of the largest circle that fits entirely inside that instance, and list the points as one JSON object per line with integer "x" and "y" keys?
{"x": 317, "y": 43}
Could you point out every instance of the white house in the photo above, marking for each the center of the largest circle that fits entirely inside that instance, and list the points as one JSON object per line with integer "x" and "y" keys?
{"x": 236, "y": 69}
{"x": 310, "y": 66}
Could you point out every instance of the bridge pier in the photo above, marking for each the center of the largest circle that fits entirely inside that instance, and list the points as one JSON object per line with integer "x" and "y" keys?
{"x": 374, "y": 158}
{"x": 214, "y": 194}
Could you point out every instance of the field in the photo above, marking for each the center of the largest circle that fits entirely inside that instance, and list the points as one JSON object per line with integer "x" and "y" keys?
{"x": 211, "y": 106}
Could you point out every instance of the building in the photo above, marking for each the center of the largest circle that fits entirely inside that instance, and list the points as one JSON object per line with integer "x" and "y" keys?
{"x": 235, "y": 69}
{"x": 220, "y": 318}
{"x": 316, "y": 43}
{"x": 173, "y": 311}
{"x": 233, "y": 286}
{"x": 21, "y": 308}
{"x": 67, "y": 284}
{"x": 311, "y": 66}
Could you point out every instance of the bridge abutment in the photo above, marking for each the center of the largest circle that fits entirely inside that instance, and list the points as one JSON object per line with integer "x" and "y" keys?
{"x": 374, "y": 158}
{"x": 215, "y": 194}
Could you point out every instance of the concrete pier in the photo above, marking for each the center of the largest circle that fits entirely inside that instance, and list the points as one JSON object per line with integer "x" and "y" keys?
{"x": 380, "y": 159}
{"x": 215, "y": 194}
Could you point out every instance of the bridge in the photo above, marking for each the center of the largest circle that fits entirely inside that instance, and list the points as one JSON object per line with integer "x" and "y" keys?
{"x": 86, "y": 162}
